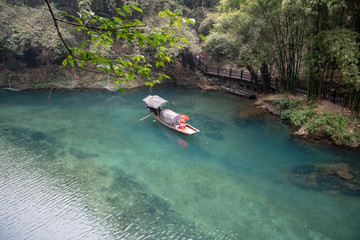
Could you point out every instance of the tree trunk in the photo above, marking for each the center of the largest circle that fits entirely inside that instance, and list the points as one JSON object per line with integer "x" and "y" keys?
{"x": 265, "y": 75}
{"x": 254, "y": 76}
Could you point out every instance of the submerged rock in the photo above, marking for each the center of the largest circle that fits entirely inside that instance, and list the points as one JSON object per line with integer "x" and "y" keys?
{"x": 325, "y": 177}
{"x": 345, "y": 175}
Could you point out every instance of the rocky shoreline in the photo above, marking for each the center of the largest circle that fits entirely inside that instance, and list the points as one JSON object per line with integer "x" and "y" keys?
{"x": 265, "y": 102}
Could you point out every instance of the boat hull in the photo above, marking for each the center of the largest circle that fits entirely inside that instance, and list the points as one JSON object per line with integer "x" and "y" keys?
{"x": 189, "y": 130}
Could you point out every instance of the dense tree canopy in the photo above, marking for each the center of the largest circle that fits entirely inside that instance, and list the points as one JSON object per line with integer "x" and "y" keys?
{"x": 286, "y": 39}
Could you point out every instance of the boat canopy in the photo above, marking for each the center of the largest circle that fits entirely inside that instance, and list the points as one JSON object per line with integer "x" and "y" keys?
{"x": 169, "y": 117}
{"x": 154, "y": 101}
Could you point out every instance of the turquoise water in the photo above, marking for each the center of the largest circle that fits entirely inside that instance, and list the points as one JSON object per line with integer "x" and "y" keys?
{"x": 79, "y": 166}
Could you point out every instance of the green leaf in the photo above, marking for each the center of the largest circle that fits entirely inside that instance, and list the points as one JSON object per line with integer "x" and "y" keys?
{"x": 65, "y": 62}
{"x": 83, "y": 45}
{"x": 126, "y": 9}
{"x": 166, "y": 76}
{"x": 136, "y": 8}
{"x": 121, "y": 13}
{"x": 71, "y": 62}
{"x": 77, "y": 19}
{"x": 139, "y": 22}
{"x": 122, "y": 90}
{"x": 184, "y": 40}
{"x": 141, "y": 42}
{"x": 118, "y": 20}
{"x": 178, "y": 24}
{"x": 130, "y": 76}
{"x": 149, "y": 84}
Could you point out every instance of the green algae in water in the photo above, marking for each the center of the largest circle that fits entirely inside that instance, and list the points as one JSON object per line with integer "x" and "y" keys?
{"x": 140, "y": 180}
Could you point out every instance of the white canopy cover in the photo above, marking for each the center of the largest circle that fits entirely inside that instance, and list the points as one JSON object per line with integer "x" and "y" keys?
{"x": 154, "y": 101}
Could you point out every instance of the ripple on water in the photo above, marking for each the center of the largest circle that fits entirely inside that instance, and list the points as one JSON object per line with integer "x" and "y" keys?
{"x": 36, "y": 204}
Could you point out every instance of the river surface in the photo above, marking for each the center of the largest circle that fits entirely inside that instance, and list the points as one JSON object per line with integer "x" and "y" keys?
{"x": 79, "y": 166}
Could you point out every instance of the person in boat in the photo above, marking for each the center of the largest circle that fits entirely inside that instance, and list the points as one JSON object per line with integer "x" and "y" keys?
{"x": 182, "y": 124}
{"x": 182, "y": 121}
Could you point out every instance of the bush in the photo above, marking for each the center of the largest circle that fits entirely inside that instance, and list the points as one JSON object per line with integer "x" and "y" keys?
{"x": 219, "y": 44}
{"x": 205, "y": 26}
{"x": 296, "y": 110}
{"x": 334, "y": 125}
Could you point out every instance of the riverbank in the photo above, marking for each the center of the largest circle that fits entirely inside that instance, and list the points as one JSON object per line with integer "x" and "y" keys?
{"x": 319, "y": 121}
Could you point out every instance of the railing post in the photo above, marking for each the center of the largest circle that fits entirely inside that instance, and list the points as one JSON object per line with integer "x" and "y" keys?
{"x": 230, "y": 72}
{"x": 241, "y": 76}
{"x": 334, "y": 96}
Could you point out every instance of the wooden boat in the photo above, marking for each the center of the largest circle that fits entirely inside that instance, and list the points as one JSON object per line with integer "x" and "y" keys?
{"x": 240, "y": 93}
{"x": 166, "y": 116}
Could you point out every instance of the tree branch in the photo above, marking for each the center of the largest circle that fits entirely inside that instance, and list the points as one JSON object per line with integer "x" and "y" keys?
{"x": 57, "y": 27}
{"x": 96, "y": 28}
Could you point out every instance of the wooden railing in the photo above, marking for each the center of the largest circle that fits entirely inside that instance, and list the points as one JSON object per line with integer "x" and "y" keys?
{"x": 245, "y": 76}
{"x": 222, "y": 72}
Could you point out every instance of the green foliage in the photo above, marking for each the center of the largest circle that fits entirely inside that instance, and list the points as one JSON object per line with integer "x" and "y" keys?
{"x": 229, "y": 5}
{"x": 219, "y": 44}
{"x": 335, "y": 125}
{"x": 278, "y": 33}
{"x": 344, "y": 45}
{"x": 300, "y": 112}
{"x": 105, "y": 31}
{"x": 198, "y": 3}
{"x": 206, "y": 26}
{"x": 22, "y": 28}
{"x": 297, "y": 110}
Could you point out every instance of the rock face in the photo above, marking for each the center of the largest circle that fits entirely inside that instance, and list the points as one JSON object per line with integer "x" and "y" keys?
{"x": 272, "y": 108}
{"x": 301, "y": 132}
{"x": 325, "y": 177}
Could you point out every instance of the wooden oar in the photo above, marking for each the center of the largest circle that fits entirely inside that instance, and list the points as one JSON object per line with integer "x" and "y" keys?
{"x": 143, "y": 118}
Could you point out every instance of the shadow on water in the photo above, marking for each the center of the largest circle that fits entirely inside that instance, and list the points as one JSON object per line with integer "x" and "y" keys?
{"x": 134, "y": 206}
{"x": 36, "y": 141}
{"x": 41, "y": 143}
